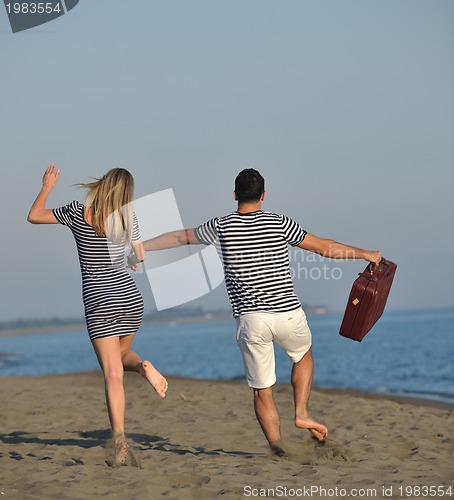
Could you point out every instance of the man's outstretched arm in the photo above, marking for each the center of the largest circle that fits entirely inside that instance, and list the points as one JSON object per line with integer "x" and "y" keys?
{"x": 172, "y": 239}
{"x": 335, "y": 250}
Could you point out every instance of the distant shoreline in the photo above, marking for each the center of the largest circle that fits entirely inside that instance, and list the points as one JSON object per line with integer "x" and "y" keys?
{"x": 13, "y": 332}
{"x": 185, "y": 317}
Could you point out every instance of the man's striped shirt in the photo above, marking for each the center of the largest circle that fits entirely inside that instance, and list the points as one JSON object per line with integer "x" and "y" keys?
{"x": 254, "y": 250}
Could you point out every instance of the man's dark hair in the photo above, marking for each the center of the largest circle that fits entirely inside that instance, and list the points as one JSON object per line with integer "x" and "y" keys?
{"x": 249, "y": 185}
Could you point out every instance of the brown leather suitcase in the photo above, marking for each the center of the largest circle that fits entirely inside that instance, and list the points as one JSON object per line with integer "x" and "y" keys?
{"x": 367, "y": 300}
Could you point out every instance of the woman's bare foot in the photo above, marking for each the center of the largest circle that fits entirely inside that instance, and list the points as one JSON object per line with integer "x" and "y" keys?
{"x": 277, "y": 450}
{"x": 319, "y": 431}
{"x": 158, "y": 381}
{"x": 121, "y": 452}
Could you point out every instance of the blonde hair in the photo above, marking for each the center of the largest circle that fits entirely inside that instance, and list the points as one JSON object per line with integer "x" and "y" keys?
{"x": 110, "y": 200}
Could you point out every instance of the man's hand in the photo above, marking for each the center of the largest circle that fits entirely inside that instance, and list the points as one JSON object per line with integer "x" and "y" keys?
{"x": 373, "y": 256}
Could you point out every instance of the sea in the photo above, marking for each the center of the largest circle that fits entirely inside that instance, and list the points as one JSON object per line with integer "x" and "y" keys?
{"x": 407, "y": 353}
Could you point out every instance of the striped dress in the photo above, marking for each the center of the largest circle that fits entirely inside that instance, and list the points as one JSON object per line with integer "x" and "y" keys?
{"x": 113, "y": 304}
{"x": 254, "y": 250}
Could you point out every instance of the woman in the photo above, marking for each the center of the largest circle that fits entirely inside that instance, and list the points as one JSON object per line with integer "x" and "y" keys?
{"x": 103, "y": 228}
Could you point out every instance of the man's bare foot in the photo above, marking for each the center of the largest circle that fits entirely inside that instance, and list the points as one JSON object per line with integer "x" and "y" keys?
{"x": 121, "y": 452}
{"x": 319, "y": 431}
{"x": 158, "y": 381}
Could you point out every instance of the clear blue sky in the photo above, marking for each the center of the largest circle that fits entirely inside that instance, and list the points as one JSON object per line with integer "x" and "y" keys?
{"x": 347, "y": 108}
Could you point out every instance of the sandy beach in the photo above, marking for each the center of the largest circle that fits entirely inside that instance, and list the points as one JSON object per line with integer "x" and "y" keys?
{"x": 203, "y": 441}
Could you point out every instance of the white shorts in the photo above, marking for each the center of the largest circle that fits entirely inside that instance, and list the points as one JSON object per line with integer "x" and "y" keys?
{"x": 255, "y": 335}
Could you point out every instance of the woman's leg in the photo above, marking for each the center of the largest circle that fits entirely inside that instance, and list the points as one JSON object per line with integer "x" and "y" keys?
{"x": 132, "y": 362}
{"x": 114, "y": 357}
{"x": 109, "y": 357}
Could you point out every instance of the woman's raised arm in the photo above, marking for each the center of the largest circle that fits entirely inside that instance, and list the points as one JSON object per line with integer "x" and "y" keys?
{"x": 39, "y": 214}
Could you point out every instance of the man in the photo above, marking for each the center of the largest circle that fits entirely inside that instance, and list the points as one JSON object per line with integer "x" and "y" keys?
{"x": 253, "y": 245}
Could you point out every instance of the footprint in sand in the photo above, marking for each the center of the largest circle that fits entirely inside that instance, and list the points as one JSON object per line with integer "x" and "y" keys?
{"x": 312, "y": 452}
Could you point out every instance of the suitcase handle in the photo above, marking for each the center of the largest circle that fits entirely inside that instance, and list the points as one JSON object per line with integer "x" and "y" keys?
{"x": 371, "y": 268}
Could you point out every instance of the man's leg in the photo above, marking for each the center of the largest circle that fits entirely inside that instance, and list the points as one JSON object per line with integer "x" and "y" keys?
{"x": 302, "y": 374}
{"x": 268, "y": 417}
{"x": 255, "y": 340}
